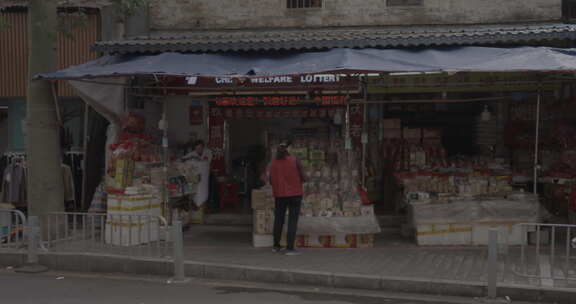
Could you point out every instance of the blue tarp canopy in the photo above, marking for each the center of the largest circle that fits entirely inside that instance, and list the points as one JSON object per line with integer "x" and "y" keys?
{"x": 456, "y": 59}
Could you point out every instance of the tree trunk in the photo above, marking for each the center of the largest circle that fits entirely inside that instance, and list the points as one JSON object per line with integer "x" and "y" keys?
{"x": 45, "y": 181}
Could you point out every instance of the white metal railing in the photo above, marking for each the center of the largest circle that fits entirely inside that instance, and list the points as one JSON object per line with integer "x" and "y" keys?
{"x": 548, "y": 256}
{"x": 131, "y": 235}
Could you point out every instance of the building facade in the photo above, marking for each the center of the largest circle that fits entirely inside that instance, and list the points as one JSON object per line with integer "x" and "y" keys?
{"x": 171, "y": 15}
{"x": 292, "y": 25}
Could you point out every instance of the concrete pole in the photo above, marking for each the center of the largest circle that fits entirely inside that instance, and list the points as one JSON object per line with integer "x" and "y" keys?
{"x": 492, "y": 276}
{"x": 32, "y": 234}
{"x": 178, "y": 241}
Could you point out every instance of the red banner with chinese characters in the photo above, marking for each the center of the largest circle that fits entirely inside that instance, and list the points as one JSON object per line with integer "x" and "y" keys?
{"x": 216, "y": 141}
{"x": 292, "y": 112}
{"x": 356, "y": 125}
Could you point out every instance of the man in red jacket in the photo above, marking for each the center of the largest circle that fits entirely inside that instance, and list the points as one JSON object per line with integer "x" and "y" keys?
{"x": 286, "y": 177}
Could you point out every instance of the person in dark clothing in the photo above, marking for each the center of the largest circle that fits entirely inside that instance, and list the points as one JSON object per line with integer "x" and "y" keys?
{"x": 287, "y": 178}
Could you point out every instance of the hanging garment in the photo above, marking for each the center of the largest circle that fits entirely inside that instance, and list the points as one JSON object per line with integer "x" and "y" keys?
{"x": 98, "y": 204}
{"x": 14, "y": 185}
{"x": 202, "y": 164}
{"x": 69, "y": 189}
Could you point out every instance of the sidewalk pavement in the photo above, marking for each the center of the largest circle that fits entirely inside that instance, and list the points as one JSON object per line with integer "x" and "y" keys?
{"x": 395, "y": 265}
{"x": 393, "y": 257}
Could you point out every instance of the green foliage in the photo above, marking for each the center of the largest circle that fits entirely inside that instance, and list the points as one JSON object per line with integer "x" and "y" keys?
{"x": 131, "y": 7}
{"x": 70, "y": 21}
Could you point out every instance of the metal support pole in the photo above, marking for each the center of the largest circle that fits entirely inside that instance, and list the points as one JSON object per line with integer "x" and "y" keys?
{"x": 492, "y": 275}
{"x": 85, "y": 140}
{"x": 178, "y": 241}
{"x": 165, "y": 160}
{"x": 537, "y": 142}
{"x": 364, "y": 142}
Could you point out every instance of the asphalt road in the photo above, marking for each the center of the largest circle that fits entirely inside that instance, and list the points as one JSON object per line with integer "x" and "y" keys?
{"x": 76, "y": 288}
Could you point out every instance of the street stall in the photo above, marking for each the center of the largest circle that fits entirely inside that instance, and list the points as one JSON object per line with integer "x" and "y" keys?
{"x": 431, "y": 179}
{"x": 326, "y": 131}
{"x": 137, "y": 180}
{"x": 445, "y": 155}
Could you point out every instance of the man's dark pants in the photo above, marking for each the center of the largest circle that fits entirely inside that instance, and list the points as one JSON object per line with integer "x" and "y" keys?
{"x": 292, "y": 204}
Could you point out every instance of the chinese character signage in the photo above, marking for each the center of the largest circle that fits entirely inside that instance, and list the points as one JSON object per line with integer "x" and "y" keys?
{"x": 216, "y": 141}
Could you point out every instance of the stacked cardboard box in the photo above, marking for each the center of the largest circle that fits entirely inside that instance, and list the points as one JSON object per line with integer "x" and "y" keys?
{"x": 331, "y": 191}
{"x": 132, "y": 219}
{"x": 392, "y": 128}
{"x": 124, "y": 172}
{"x": 263, "y": 217}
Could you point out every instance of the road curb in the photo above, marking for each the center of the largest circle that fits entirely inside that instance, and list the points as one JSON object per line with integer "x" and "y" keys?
{"x": 118, "y": 264}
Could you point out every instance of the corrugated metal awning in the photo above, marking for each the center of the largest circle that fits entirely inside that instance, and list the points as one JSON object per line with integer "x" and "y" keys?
{"x": 327, "y": 38}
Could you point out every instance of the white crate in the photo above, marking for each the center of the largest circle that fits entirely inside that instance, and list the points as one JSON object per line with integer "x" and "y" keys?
{"x": 444, "y": 234}
{"x": 131, "y": 232}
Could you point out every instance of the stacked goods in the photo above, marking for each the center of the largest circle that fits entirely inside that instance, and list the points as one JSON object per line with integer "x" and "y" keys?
{"x": 132, "y": 219}
{"x": 403, "y": 155}
{"x": 263, "y": 217}
{"x": 467, "y": 221}
{"x": 565, "y": 167}
{"x": 472, "y": 184}
{"x": 392, "y": 129}
{"x": 128, "y": 155}
{"x": 407, "y": 148}
{"x": 331, "y": 204}
{"x": 137, "y": 161}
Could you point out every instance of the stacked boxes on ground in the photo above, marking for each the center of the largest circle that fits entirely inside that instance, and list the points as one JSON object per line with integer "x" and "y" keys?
{"x": 263, "y": 217}
{"x": 132, "y": 219}
{"x": 263, "y": 225}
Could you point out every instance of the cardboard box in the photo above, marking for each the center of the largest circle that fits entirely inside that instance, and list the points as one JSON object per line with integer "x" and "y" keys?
{"x": 444, "y": 234}
{"x": 131, "y": 232}
{"x": 392, "y": 123}
{"x": 335, "y": 241}
{"x": 126, "y": 205}
{"x": 431, "y": 133}
{"x": 412, "y": 133}
{"x": 392, "y": 134}
{"x": 262, "y": 199}
{"x": 263, "y": 221}
{"x": 197, "y": 216}
{"x": 317, "y": 155}
{"x": 318, "y": 241}
{"x": 432, "y": 141}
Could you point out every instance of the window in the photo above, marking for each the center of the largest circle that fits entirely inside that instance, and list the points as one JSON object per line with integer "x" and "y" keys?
{"x": 569, "y": 9}
{"x": 404, "y": 2}
{"x": 304, "y": 3}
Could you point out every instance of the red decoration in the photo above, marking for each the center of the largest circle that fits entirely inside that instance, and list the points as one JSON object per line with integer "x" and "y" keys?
{"x": 356, "y": 124}
{"x": 216, "y": 141}
{"x": 196, "y": 115}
